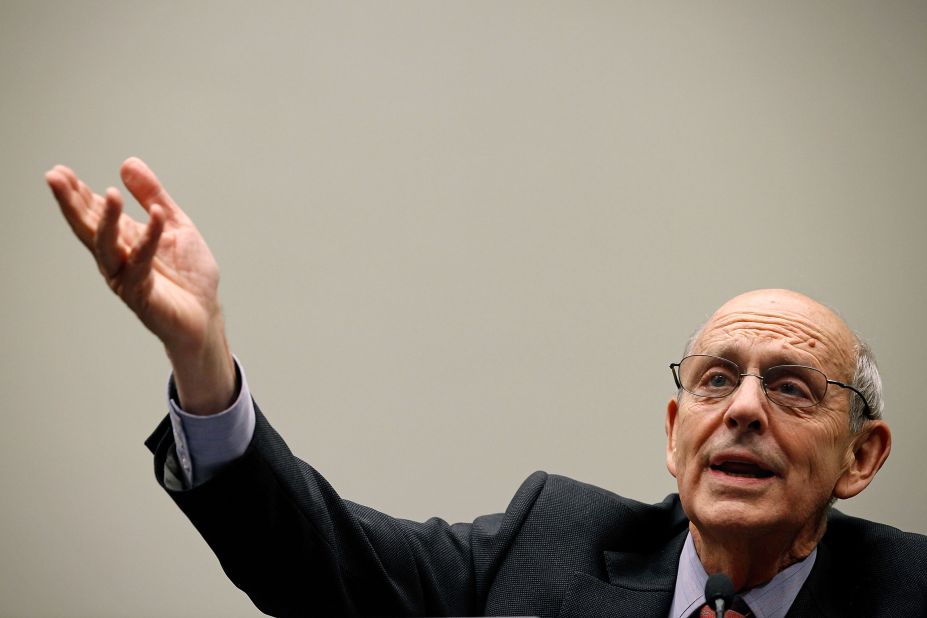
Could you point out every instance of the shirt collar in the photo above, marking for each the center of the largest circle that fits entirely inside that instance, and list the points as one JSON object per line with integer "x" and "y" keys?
{"x": 771, "y": 600}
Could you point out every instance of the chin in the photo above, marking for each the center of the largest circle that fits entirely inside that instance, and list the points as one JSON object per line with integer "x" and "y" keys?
{"x": 736, "y": 516}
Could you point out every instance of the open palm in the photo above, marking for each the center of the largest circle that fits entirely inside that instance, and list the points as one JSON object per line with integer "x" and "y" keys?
{"x": 163, "y": 269}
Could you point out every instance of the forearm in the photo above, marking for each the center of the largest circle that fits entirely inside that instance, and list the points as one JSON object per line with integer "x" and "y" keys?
{"x": 204, "y": 373}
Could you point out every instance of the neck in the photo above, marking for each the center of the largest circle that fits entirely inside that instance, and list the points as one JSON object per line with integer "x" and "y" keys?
{"x": 751, "y": 561}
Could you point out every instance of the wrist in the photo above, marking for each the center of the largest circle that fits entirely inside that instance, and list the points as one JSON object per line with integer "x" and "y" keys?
{"x": 205, "y": 374}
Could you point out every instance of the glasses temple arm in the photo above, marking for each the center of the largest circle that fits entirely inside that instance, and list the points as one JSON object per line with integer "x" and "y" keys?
{"x": 673, "y": 367}
{"x": 867, "y": 410}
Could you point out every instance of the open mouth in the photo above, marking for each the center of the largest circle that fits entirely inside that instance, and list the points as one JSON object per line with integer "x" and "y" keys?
{"x": 742, "y": 469}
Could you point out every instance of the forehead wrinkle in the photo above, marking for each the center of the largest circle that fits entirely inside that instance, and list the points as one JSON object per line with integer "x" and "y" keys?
{"x": 794, "y": 329}
{"x": 796, "y": 326}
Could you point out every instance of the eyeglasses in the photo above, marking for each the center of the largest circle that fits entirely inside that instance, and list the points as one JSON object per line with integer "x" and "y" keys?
{"x": 793, "y": 386}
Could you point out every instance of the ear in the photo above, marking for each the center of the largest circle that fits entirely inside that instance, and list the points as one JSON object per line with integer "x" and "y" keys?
{"x": 672, "y": 410}
{"x": 870, "y": 450}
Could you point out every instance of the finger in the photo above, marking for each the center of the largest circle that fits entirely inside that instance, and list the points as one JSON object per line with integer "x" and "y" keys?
{"x": 109, "y": 251}
{"x": 71, "y": 204}
{"x": 56, "y": 182}
{"x": 68, "y": 174}
{"x": 85, "y": 193}
{"x": 79, "y": 192}
{"x": 139, "y": 260}
{"x": 146, "y": 188}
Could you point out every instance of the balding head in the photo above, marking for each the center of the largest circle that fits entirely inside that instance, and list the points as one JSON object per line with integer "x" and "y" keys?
{"x": 792, "y": 319}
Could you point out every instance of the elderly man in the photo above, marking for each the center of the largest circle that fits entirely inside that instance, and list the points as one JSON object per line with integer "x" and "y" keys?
{"x": 777, "y": 414}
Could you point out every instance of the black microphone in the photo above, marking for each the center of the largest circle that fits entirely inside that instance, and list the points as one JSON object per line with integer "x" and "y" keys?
{"x": 719, "y": 593}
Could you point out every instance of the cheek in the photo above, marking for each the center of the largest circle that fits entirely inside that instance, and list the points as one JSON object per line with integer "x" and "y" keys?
{"x": 687, "y": 447}
{"x": 817, "y": 451}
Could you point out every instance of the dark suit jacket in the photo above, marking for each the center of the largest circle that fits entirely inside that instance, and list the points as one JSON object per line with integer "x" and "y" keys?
{"x": 562, "y": 548}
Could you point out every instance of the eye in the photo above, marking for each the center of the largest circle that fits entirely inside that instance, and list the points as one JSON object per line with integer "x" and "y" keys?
{"x": 791, "y": 389}
{"x": 794, "y": 386}
{"x": 708, "y": 376}
{"x": 717, "y": 381}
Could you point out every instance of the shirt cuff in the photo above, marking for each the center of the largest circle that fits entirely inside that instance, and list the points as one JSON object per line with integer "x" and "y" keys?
{"x": 205, "y": 444}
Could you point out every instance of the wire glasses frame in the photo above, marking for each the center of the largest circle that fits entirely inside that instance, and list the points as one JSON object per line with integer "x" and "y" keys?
{"x": 795, "y": 386}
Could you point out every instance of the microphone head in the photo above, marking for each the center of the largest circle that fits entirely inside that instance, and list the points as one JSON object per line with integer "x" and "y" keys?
{"x": 719, "y": 586}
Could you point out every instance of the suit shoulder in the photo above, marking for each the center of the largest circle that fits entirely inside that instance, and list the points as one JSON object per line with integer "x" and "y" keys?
{"x": 586, "y": 491}
{"x": 863, "y": 534}
{"x": 566, "y": 506}
{"x": 879, "y": 557}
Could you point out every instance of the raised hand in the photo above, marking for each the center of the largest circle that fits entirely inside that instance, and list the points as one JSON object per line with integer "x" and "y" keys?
{"x": 163, "y": 270}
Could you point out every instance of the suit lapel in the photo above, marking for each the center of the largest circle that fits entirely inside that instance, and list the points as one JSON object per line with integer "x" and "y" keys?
{"x": 639, "y": 584}
{"x": 820, "y": 593}
{"x": 647, "y": 570}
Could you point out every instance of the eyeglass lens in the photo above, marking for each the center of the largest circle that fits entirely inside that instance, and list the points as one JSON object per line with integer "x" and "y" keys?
{"x": 789, "y": 385}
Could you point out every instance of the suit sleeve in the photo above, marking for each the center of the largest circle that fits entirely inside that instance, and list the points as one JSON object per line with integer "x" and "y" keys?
{"x": 286, "y": 538}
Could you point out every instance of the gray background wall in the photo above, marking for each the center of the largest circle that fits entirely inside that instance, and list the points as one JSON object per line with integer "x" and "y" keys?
{"x": 460, "y": 242}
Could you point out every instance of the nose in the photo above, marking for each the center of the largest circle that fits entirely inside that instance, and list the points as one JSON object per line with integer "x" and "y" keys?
{"x": 748, "y": 409}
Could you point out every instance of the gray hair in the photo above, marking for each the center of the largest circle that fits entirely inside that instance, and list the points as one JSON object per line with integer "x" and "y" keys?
{"x": 865, "y": 379}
